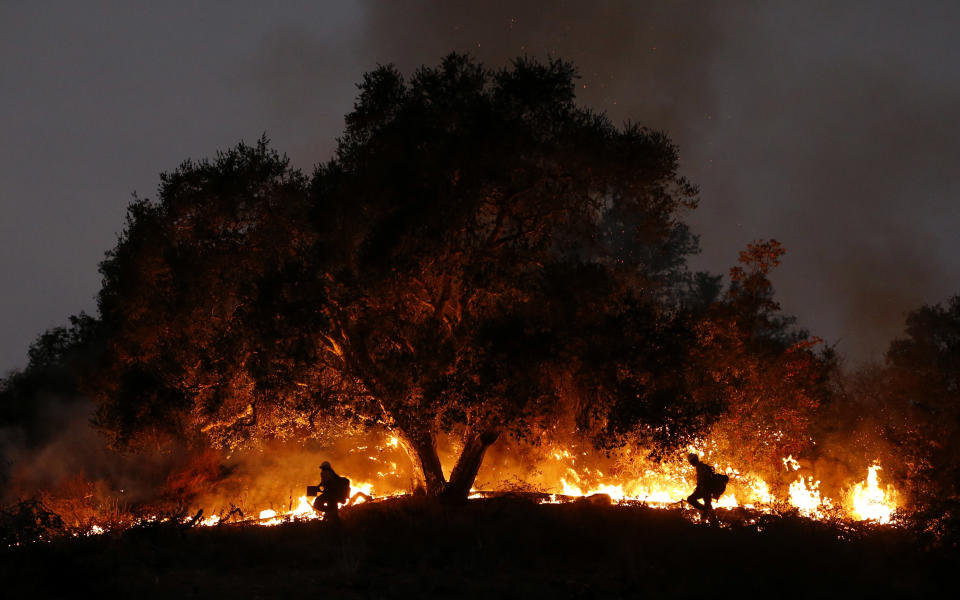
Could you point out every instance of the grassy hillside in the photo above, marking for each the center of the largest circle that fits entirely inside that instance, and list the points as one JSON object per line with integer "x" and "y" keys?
{"x": 501, "y": 547}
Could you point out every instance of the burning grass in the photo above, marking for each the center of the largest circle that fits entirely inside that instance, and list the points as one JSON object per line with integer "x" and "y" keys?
{"x": 267, "y": 487}
{"x": 559, "y": 475}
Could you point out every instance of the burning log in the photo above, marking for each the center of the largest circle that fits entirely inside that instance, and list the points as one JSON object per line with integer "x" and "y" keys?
{"x": 192, "y": 521}
{"x": 358, "y": 496}
{"x": 234, "y": 513}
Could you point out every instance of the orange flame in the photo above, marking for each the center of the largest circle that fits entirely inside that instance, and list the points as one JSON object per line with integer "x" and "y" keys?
{"x": 566, "y": 474}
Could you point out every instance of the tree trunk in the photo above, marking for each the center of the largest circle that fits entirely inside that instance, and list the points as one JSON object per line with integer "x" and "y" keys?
{"x": 422, "y": 449}
{"x": 468, "y": 464}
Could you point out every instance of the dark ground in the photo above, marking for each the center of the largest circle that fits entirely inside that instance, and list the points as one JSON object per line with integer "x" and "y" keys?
{"x": 494, "y": 548}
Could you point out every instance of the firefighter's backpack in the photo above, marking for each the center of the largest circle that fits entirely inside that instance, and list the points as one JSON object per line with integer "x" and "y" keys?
{"x": 718, "y": 484}
{"x": 341, "y": 489}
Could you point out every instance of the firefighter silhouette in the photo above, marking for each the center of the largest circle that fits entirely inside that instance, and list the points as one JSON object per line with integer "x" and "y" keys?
{"x": 335, "y": 491}
{"x": 709, "y": 486}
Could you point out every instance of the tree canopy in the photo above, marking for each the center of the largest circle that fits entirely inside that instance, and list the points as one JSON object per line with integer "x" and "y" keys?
{"x": 479, "y": 252}
{"x": 921, "y": 408}
{"x": 766, "y": 374}
{"x": 55, "y": 360}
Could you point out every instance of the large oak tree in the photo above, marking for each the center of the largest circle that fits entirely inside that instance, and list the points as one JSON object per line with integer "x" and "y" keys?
{"x": 479, "y": 253}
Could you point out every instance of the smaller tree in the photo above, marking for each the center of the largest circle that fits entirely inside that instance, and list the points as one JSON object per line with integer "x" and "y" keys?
{"x": 39, "y": 402}
{"x": 179, "y": 303}
{"x": 56, "y": 361}
{"x": 921, "y": 412}
{"x": 765, "y": 374}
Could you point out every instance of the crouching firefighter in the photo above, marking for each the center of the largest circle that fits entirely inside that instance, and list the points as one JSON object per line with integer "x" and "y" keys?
{"x": 710, "y": 486}
{"x": 336, "y": 490}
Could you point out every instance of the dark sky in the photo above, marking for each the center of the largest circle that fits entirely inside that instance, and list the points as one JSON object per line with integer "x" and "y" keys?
{"x": 829, "y": 126}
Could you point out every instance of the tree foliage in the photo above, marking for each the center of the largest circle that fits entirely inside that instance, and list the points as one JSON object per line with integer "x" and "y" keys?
{"x": 767, "y": 376}
{"x": 55, "y": 361}
{"x": 479, "y": 251}
{"x": 921, "y": 412}
{"x": 180, "y": 297}
{"x": 905, "y": 413}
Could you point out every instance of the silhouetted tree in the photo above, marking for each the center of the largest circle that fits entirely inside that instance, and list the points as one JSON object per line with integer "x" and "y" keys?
{"x": 37, "y": 402}
{"x": 56, "y": 361}
{"x": 479, "y": 252}
{"x": 922, "y": 404}
{"x": 753, "y": 367}
{"x": 179, "y": 291}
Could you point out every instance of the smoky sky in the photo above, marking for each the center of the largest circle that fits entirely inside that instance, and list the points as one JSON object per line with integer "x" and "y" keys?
{"x": 828, "y": 126}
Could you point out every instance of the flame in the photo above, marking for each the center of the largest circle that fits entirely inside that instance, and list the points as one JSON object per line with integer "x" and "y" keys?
{"x": 565, "y": 473}
{"x": 869, "y": 502}
{"x": 304, "y": 509}
{"x": 805, "y": 497}
{"x": 760, "y": 492}
{"x": 791, "y": 463}
{"x": 726, "y": 501}
{"x": 667, "y": 486}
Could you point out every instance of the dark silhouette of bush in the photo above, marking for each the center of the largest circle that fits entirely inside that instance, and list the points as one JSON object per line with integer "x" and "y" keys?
{"x": 28, "y": 521}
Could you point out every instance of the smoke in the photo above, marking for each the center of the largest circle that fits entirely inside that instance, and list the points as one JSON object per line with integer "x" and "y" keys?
{"x": 816, "y": 123}
{"x": 638, "y": 61}
{"x": 841, "y": 136}
{"x": 59, "y": 458}
{"x": 277, "y": 474}
{"x": 71, "y": 469}
{"x": 65, "y": 461}
{"x": 828, "y": 127}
